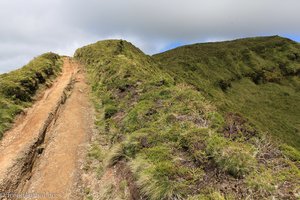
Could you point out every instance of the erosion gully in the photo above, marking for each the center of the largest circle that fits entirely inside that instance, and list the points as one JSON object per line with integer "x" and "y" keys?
{"x": 40, "y": 157}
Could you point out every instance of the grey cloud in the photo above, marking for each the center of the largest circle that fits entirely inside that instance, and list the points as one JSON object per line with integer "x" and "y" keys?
{"x": 31, "y": 27}
{"x": 189, "y": 19}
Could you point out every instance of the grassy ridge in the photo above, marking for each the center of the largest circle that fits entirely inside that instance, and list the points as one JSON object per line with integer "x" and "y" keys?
{"x": 175, "y": 142}
{"x": 17, "y": 88}
{"x": 256, "y": 77}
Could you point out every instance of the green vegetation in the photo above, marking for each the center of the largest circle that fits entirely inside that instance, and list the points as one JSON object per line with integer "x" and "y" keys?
{"x": 213, "y": 195}
{"x": 262, "y": 181}
{"x": 256, "y": 77}
{"x": 290, "y": 152}
{"x": 17, "y": 88}
{"x": 175, "y": 141}
{"x": 236, "y": 158}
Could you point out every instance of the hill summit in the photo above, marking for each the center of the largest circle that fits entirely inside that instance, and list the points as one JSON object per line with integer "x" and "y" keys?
{"x": 204, "y": 121}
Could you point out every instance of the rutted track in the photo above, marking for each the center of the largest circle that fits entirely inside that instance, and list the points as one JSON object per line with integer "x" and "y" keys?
{"x": 40, "y": 154}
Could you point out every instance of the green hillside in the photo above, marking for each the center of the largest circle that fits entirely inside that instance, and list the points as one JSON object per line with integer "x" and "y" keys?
{"x": 17, "y": 88}
{"x": 259, "y": 78}
{"x": 171, "y": 137}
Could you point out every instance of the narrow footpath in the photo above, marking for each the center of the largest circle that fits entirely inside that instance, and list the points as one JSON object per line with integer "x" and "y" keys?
{"x": 40, "y": 157}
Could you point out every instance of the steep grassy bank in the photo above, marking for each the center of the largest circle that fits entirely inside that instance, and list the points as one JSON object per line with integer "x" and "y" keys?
{"x": 256, "y": 77}
{"x": 175, "y": 143}
{"x": 17, "y": 88}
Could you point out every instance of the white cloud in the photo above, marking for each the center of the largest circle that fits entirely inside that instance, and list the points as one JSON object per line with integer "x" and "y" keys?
{"x": 32, "y": 27}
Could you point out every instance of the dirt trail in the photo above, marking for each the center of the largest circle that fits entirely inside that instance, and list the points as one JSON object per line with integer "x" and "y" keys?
{"x": 41, "y": 155}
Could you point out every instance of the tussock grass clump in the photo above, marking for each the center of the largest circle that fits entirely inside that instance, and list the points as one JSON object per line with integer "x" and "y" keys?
{"x": 290, "y": 152}
{"x": 177, "y": 144}
{"x": 17, "y": 88}
{"x": 262, "y": 181}
{"x": 110, "y": 110}
{"x": 159, "y": 181}
{"x": 234, "y": 157}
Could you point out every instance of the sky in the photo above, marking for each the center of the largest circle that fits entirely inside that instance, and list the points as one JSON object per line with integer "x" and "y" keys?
{"x": 32, "y": 27}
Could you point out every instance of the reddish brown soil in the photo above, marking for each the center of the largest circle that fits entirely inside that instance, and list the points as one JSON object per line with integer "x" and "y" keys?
{"x": 41, "y": 155}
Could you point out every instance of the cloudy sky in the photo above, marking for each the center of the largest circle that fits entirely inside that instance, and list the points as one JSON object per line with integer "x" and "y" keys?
{"x": 32, "y": 27}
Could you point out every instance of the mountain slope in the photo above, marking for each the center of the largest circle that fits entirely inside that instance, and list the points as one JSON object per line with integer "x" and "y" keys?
{"x": 17, "y": 88}
{"x": 166, "y": 140}
{"x": 258, "y": 78}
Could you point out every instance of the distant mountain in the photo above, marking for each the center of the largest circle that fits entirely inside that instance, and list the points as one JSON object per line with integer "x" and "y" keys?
{"x": 258, "y": 78}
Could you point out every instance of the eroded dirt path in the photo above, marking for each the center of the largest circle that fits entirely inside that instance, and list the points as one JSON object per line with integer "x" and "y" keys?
{"x": 41, "y": 155}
